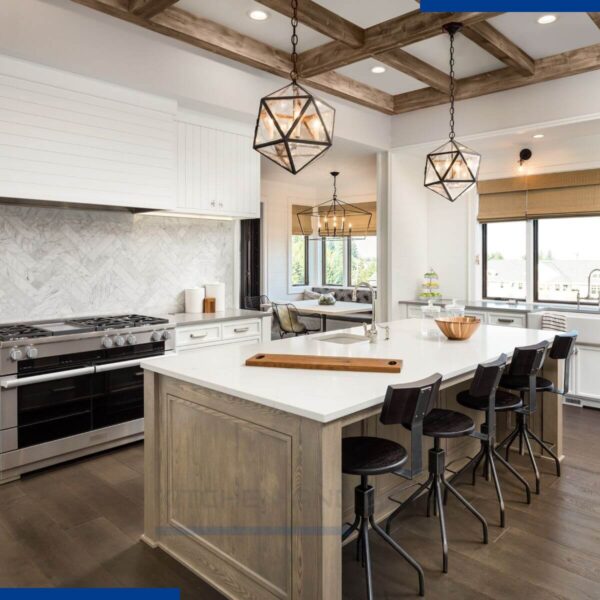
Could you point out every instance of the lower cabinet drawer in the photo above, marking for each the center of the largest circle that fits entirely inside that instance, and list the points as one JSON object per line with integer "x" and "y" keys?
{"x": 241, "y": 329}
{"x": 507, "y": 320}
{"x": 193, "y": 335}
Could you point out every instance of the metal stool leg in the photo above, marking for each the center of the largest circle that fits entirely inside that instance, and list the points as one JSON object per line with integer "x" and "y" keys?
{"x": 515, "y": 473}
{"x": 510, "y": 439}
{"x": 533, "y": 462}
{"x": 402, "y": 553}
{"x": 412, "y": 498}
{"x": 449, "y": 487}
{"x": 440, "y": 507}
{"x": 367, "y": 557}
{"x": 547, "y": 449}
{"x": 498, "y": 488}
{"x": 477, "y": 460}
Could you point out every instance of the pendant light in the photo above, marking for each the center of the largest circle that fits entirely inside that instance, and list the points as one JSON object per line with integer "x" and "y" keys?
{"x": 293, "y": 127}
{"x": 451, "y": 169}
{"x": 335, "y": 218}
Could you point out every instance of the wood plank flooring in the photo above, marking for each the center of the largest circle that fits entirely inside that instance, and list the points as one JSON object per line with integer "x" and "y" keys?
{"x": 79, "y": 525}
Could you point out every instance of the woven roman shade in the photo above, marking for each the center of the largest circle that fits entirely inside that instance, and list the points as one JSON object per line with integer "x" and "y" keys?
{"x": 306, "y": 221}
{"x": 568, "y": 194}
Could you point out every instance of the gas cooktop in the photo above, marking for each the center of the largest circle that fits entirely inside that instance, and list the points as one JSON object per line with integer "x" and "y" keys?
{"x": 18, "y": 331}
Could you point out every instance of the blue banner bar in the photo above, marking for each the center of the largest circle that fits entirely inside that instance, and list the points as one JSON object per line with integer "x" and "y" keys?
{"x": 89, "y": 594}
{"x": 545, "y": 6}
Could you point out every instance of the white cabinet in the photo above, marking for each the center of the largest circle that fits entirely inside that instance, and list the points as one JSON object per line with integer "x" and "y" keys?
{"x": 506, "y": 319}
{"x": 67, "y": 138}
{"x": 196, "y": 337}
{"x": 585, "y": 374}
{"x": 218, "y": 171}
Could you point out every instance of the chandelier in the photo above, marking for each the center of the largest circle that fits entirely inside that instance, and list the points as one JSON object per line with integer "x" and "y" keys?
{"x": 293, "y": 127}
{"x": 451, "y": 169}
{"x": 334, "y": 218}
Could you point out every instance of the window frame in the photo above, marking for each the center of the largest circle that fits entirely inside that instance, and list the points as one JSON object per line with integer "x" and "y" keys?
{"x": 484, "y": 262}
{"x": 306, "y": 263}
{"x": 347, "y": 263}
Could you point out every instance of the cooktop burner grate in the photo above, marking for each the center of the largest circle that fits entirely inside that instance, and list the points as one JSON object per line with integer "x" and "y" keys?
{"x": 18, "y": 331}
{"x": 118, "y": 322}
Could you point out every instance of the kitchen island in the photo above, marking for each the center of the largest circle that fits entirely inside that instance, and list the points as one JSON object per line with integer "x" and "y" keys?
{"x": 243, "y": 480}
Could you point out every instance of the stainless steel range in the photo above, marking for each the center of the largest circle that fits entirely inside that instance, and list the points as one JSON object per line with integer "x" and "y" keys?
{"x": 73, "y": 387}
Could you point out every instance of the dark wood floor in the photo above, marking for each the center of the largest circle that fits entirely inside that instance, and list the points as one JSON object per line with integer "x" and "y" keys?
{"x": 79, "y": 525}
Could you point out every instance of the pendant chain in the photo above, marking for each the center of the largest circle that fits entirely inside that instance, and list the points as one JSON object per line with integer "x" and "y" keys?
{"x": 294, "y": 55}
{"x": 452, "y": 86}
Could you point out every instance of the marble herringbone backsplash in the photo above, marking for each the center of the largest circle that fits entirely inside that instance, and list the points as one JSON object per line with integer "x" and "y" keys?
{"x": 58, "y": 262}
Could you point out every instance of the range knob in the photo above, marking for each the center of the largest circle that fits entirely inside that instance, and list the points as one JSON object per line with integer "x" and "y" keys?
{"x": 15, "y": 354}
{"x": 156, "y": 336}
{"x": 131, "y": 339}
{"x": 31, "y": 352}
{"x": 119, "y": 340}
{"x": 166, "y": 335}
{"x": 107, "y": 342}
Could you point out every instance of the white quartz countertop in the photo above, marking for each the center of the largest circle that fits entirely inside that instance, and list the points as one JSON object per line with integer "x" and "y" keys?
{"x": 180, "y": 319}
{"x": 329, "y": 395}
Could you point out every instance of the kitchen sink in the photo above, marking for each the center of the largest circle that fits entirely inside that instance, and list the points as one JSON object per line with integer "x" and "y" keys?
{"x": 344, "y": 338}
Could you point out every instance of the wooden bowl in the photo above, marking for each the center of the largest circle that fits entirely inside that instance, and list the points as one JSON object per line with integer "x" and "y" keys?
{"x": 458, "y": 328}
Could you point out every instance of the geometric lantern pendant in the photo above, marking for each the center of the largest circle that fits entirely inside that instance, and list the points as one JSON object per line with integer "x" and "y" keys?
{"x": 451, "y": 169}
{"x": 293, "y": 127}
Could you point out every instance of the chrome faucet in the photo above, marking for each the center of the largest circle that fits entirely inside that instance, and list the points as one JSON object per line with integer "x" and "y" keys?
{"x": 371, "y": 332}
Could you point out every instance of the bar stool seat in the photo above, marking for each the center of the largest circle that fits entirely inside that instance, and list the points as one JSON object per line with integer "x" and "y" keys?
{"x": 504, "y": 401}
{"x": 520, "y": 383}
{"x": 371, "y": 455}
{"x": 442, "y": 423}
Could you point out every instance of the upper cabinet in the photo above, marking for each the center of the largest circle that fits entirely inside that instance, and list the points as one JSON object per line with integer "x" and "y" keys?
{"x": 67, "y": 138}
{"x": 218, "y": 171}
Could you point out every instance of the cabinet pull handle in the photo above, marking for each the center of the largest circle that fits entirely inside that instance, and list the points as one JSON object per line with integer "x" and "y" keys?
{"x": 506, "y": 320}
{"x": 241, "y": 329}
{"x": 198, "y": 335}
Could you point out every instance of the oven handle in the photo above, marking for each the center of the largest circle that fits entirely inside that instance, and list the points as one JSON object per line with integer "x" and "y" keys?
{"x": 15, "y": 383}
{"x": 124, "y": 364}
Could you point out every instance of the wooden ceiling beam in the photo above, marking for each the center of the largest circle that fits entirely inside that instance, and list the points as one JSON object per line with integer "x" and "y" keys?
{"x": 595, "y": 16}
{"x": 411, "y": 65}
{"x": 557, "y": 66}
{"x": 208, "y": 35}
{"x": 498, "y": 45}
{"x": 321, "y": 19}
{"x": 149, "y": 8}
{"x": 395, "y": 33}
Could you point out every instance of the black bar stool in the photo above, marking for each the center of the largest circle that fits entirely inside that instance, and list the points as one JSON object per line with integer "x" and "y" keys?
{"x": 405, "y": 404}
{"x": 483, "y": 395}
{"x": 439, "y": 424}
{"x": 523, "y": 376}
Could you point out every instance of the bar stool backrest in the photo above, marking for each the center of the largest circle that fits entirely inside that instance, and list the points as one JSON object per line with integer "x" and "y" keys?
{"x": 562, "y": 348}
{"x": 528, "y": 360}
{"x": 407, "y": 404}
{"x": 484, "y": 385}
{"x": 286, "y": 316}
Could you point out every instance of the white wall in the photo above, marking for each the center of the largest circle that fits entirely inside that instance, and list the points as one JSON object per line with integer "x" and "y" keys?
{"x": 62, "y": 34}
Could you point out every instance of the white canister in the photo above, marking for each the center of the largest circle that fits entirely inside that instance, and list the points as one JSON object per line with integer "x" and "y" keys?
{"x": 194, "y": 299}
{"x": 216, "y": 291}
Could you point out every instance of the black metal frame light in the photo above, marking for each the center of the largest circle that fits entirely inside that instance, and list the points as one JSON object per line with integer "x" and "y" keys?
{"x": 293, "y": 127}
{"x": 451, "y": 169}
{"x": 333, "y": 217}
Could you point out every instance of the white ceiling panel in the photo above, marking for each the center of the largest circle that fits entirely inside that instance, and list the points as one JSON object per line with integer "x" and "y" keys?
{"x": 365, "y": 13}
{"x": 275, "y": 31}
{"x": 469, "y": 58}
{"x": 568, "y": 32}
{"x": 392, "y": 81}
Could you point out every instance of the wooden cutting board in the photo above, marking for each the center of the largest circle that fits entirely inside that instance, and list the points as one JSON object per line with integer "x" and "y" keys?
{"x": 325, "y": 363}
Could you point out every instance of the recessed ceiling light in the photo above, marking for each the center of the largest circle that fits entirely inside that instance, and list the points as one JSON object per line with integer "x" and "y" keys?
{"x": 538, "y": 136}
{"x": 546, "y": 19}
{"x": 258, "y": 15}
{"x": 378, "y": 70}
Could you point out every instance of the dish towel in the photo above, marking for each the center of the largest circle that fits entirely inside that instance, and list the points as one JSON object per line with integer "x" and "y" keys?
{"x": 554, "y": 321}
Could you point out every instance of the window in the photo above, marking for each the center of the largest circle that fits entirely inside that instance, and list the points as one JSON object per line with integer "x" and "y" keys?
{"x": 334, "y": 265}
{"x": 566, "y": 251}
{"x": 504, "y": 260}
{"x": 299, "y": 260}
{"x": 363, "y": 261}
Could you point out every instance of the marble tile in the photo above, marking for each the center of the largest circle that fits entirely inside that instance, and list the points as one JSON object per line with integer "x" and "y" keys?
{"x": 57, "y": 262}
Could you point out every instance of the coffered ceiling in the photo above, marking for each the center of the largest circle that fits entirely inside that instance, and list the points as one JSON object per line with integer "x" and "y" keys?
{"x": 342, "y": 40}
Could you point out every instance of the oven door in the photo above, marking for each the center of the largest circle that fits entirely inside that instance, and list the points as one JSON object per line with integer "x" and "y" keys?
{"x": 118, "y": 393}
{"x": 45, "y": 407}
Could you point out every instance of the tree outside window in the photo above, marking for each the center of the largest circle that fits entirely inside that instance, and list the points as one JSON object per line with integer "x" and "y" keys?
{"x": 363, "y": 261}
{"x": 299, "y": 260}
